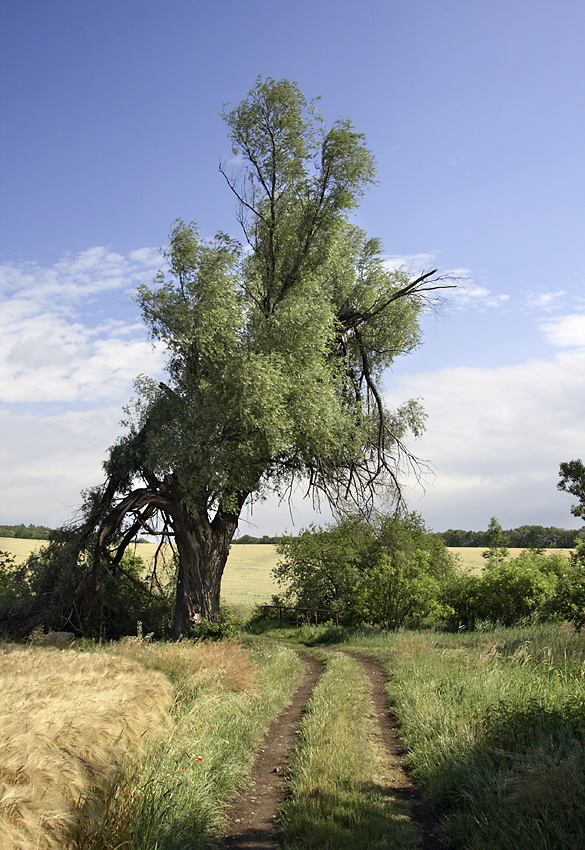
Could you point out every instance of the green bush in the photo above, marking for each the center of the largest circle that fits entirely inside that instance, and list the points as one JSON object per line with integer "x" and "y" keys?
{"x": 227, "y": 625}
{"x": 568, "y": 600}
{"x": 533, "y": 585}
{"x": 56, "y": 589}
{"x": 7, "y": 566}
{"x": 388, "y": 574}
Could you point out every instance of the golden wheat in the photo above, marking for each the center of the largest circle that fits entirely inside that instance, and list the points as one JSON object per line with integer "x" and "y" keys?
{"x": 68, "y": 720}
{"x": 224, "y": 664}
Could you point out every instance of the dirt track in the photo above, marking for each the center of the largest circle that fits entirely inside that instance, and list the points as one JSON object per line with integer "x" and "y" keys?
{"x": 252, "y": 817}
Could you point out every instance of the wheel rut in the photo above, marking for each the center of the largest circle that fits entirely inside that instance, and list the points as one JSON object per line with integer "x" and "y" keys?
{"x": 391, "y": 744}
{"x": 251, "y": 819}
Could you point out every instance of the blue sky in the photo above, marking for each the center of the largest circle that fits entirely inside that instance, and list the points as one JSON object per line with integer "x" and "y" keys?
{"x": 475, "y": 112}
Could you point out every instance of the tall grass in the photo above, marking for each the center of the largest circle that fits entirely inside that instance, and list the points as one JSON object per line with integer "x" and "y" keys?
{"x": 495, "y": 726}
{"x": 68, "y": 723}
{"x": 225, "y": 700}
{"x": 343, "y": 794}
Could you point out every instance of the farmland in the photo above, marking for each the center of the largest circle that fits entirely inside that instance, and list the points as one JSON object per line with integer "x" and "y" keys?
{"x": 248, "y": 574}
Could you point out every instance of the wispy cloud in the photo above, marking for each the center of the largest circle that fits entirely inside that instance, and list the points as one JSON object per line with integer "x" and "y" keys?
{"x": 470, "y": 296}
{"x": 52, "y": 349}
{"x": 544, "y": 301}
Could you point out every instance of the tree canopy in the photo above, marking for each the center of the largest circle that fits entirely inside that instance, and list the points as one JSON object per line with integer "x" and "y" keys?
{"x": 276, "y": 352}
{"x": 572, "y": 480}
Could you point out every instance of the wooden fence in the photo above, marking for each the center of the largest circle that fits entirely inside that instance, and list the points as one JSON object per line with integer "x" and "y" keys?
{"x": 306, "y": 614}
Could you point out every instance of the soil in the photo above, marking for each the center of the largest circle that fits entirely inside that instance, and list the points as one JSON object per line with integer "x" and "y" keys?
{"x": 251, "y": 822}
{"x": 251, "y": 819}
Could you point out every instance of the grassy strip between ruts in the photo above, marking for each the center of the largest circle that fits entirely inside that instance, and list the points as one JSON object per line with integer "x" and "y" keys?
{"x": 177, "y": 796}
{"x": 342, "y": 795}
{"x": 494, "y": 725}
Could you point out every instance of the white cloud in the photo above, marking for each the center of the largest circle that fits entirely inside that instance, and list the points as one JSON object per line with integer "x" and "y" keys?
{"x": 47, "y": 460}
{"x": 566, "y": 331}
{"x": 496, "y": 437}
{"x": 52, "y": 349}
{"x": 73, "y": 366}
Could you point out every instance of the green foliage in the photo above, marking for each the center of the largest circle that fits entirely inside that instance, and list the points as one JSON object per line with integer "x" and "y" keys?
{"x": 496, "y": 542}
{"x": 26, "y": 532}
{"x": 275, "y": 353}
{"x": 227, "y": 625}
{"x": 568, "y": 600}
{"x": 523, "y": 537}
{"x": 572, "y": 474}
{"x": 248, "y": 539}
{"x": 54, "y": 590}
{"x": 389, "y": 573}
{"x": 533, "y": 585}
{"x": 7, "y": 566}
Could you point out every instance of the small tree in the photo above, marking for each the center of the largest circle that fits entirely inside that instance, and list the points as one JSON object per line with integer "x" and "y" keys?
{"x": 572, "y": 481}
{"x": 497, "y": 542}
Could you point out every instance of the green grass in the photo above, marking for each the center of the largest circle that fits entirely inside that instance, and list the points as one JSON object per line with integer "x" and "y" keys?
{"x": 494, "y": 725}
{"x": 343, "y": 795}
{"x": 495, "y": 729}
{"x": 178, "y": 796}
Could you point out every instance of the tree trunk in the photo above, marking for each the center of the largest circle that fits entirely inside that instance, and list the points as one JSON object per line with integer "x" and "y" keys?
{"x": 203, "y": 549}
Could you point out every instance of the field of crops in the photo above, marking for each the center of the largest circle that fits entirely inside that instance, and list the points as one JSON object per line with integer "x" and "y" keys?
{"x": 69, "y": 722}
{"x": 248, "y": 575}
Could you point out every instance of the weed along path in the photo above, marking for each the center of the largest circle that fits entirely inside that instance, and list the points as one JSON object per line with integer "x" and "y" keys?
{"x": 251, "y": 820}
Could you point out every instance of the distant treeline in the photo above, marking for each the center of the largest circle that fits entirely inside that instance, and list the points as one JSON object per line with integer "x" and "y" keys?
{"x": 247, "y": 538}
{"x": 26, "y": 532}
{"x": 525, "y": 537}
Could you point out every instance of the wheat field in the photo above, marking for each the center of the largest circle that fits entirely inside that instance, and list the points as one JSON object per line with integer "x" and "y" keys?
{"x": 248, "y": 579}
{"x": 68, "y": 723}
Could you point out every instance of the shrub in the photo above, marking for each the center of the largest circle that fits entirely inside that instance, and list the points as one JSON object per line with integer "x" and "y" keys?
{"x": 510, "y": 590}
{"x": 568, "y": 600}
{"x": 54, "y": 589}
{"x": 227, "y": 625}
{"x": 387, "y": 574}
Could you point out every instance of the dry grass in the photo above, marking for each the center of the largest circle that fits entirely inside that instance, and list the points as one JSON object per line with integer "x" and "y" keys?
{"x": 68, "y": 721}
{"x": 193, "y": 666}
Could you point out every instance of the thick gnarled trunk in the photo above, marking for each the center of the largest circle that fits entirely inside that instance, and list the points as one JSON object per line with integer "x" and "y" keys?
{"x": 203, "y": 548}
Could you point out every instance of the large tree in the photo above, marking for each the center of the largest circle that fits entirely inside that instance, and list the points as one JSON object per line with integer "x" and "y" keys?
{"x": 275, "y": 353}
